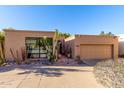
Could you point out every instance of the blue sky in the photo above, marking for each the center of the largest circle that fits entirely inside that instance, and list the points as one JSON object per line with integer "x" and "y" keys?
{"x": 70, "y": 19}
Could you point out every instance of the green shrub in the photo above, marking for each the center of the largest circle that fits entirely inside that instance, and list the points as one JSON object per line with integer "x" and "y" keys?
{"x": 52, "y": 58}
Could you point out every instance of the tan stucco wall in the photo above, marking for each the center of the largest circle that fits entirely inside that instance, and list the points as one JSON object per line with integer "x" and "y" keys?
{"x": 15, "y": 39}
{"x": 94, "y": 39}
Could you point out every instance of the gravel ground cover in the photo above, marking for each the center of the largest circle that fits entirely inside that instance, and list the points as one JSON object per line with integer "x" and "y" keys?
{"x": 109, "y": 74}
{"x": 61, "y": 62}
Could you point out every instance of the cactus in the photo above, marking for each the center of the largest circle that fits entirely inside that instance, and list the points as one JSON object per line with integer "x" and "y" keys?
{"x": 2, "y": 49}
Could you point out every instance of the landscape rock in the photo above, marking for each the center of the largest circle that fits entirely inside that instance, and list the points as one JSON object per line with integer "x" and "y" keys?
{"x": 109, "y": 74}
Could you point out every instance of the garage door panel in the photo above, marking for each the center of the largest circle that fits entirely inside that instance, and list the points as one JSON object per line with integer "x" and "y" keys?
{"x": 96, "y": 51}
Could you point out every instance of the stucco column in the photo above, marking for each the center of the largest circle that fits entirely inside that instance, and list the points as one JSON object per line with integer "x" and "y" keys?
{"x": 115, "y": 54}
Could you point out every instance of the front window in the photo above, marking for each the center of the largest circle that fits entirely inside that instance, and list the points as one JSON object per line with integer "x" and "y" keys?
{"x": 38, "y": 47}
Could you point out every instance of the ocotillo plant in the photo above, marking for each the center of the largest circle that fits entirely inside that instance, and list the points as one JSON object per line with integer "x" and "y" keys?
{"x": 15, "y": 57}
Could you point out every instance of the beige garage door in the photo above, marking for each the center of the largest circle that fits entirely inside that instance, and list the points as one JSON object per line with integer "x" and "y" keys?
{"x": 95, "y": 51}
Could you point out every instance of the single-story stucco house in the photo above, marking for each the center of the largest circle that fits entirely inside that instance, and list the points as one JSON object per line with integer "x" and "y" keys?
{"x": 85, "y": 46}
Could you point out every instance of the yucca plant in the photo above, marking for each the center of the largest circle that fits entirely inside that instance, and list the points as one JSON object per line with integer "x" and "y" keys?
{"x": 2, "y": 49}
{"x": 56, "y": 45}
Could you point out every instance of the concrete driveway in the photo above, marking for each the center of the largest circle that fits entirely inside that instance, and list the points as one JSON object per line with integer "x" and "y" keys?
{"x": 34, "y": 76}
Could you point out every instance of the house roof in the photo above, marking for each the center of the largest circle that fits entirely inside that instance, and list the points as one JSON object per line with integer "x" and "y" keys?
{"x": 76, "y": 35}
{"x": 14, "y": 30}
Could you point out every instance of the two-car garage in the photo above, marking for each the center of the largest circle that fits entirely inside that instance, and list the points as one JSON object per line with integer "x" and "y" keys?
{"x": 93, "y": 46}
{"x": 95, "y": 51}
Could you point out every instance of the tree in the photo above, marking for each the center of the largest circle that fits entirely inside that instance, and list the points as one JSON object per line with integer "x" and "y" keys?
{"x": 56, "y": 45}
{"x": 106, "y": 34}
{"x": 110, "y": 34}
{"x": 65, "y": 35}
{"x": 102, "y": 33}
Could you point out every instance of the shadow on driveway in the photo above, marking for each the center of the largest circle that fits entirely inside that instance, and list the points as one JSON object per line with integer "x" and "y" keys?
{"x": 49, "y": 71}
